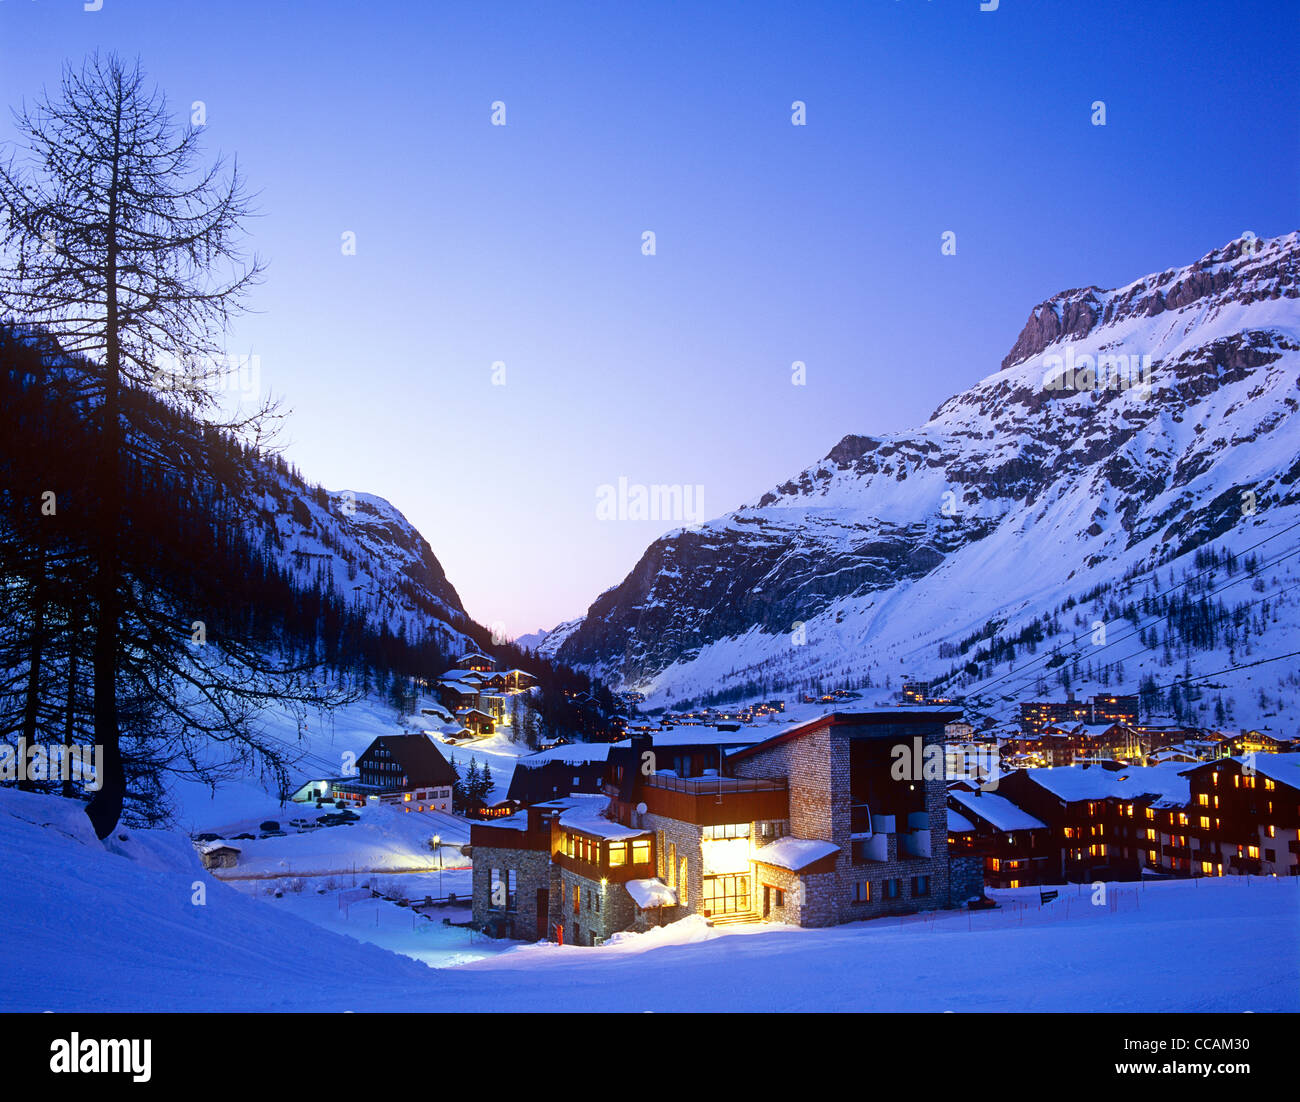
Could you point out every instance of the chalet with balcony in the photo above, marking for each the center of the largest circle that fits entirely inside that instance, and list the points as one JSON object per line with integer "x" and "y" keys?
{"x": 1245, "y": 816}
{"x": 404, "y": 770}
{"x": 1106, "y": 821}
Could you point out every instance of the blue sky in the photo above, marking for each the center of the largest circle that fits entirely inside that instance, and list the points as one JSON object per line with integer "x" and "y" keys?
{"x": 521, "y": 244}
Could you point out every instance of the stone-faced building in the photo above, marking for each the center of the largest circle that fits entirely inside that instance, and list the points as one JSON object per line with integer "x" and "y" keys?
{"x": 832, "y": 821}
{"x": 864, "y": 785}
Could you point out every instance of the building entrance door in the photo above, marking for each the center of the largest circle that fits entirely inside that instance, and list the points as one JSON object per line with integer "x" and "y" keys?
{"x": 726, "y": 895}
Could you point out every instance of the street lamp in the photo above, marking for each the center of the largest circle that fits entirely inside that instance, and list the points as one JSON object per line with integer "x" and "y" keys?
{"x": 437, "y": 844}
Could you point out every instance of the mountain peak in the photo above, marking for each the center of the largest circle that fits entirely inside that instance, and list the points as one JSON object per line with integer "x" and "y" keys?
{"x": 1244, "y": 270}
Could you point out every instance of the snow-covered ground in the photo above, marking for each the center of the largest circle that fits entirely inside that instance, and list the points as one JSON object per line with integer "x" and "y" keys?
{"x": 384, "y": 840}
{"x": 136, "y": 924}
{"x": 319, "y": 752}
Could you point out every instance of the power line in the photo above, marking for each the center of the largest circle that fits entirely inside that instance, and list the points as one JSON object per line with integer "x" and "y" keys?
{"x": 1027, "y": 667}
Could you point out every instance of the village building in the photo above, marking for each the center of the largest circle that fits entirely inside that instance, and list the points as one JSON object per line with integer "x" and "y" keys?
{"x": 1014, "y": 847}
{"x": 404, "y": 770}
{"x": 810, "y": 827}
{"x": 477, "y": 721}
{"x": 1244, "y": 816}
{"x": 1104, "y": 819}
{"x": 1100, "y": 710}
{"x": 218, "y": 855}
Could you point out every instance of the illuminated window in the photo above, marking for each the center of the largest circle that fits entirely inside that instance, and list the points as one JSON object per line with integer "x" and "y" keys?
{"x": 1268, "y": 785}
{"x": 641, "y": 851}
{"x": 1207, "y": 868}
{"x": 681, "y": 883}
{"x": 1203, "y": 799}
{"x": 1271, "y": 831}
{"x": 1205, "y": 822}
{"x": 617, "y": 854}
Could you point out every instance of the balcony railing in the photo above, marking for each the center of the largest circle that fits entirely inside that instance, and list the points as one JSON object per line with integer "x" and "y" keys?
{"x": 713, "y": 786}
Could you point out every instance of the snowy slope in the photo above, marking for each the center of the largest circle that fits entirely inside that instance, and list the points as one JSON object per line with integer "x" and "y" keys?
{"x": 1010, "y": 504}
{"x": 363, "y": 549}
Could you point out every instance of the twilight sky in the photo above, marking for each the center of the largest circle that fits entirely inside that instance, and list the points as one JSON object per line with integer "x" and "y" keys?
{"x": 522, "y": 244}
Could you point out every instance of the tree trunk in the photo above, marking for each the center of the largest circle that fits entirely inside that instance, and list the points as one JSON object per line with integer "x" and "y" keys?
{"x": 105, "y": 807}
{"x": 35, "y": 654}
{"x": 68, "y": 722}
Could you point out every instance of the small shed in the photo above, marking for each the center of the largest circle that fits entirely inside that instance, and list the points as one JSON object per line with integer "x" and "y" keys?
{"x": 218, "y": 855}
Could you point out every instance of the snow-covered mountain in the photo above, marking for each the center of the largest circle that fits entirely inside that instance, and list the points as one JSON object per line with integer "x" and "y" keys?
{"x": 1125, "y": 429}
{"x": 367, "y": 552}
{"x": 546, "y": 643}
{"x": 354, "y": 546}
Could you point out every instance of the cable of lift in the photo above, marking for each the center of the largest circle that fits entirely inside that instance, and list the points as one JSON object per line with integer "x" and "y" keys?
{"x": 1029, "y": 666}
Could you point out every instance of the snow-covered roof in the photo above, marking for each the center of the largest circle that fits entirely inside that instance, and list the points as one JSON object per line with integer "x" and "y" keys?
{"x": 1283, "y": 768}
{"x": 574, "y": 752}
{"x": 517, "y": 821}
{"x": 795, "y": 853}
{"x": 213, "y": 847}
{"x": 999, "y": 812}
{"x": 701, "y": 735}
{"x": 958, "y": 823}
{"x": 587, "y": 818}
{"x": 651, "y": 893}
{"x": 1166, "y": 781}
{"x": 453, "y": 676}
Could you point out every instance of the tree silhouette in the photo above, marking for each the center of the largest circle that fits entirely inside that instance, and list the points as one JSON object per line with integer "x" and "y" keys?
{"x": 126, "y": 251}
